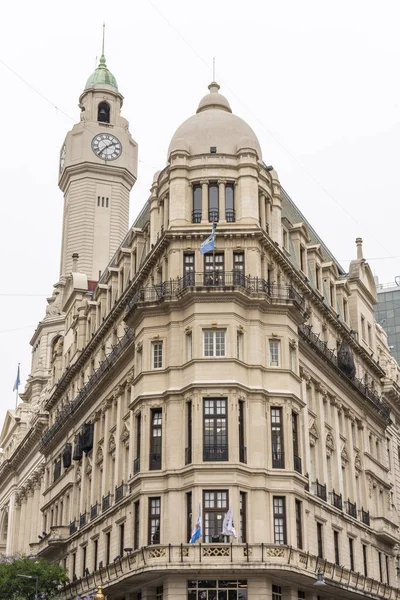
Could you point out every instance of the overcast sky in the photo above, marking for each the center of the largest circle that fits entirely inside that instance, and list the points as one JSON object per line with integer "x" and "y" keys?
{"x": 317, "y": 80}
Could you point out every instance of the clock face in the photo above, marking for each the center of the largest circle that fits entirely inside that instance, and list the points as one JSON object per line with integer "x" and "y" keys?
{"x": 106, "y": 146}
{"x": 62, "y": 157}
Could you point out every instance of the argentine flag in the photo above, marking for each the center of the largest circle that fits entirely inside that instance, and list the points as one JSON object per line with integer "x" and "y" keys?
{"x": 208, "y": 244}
{"x": 196, "y": 535}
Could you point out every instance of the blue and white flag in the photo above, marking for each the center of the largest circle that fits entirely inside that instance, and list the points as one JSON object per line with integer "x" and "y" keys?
{"x": 228, "y": 527}
{"x": 196, "y": 535}
{"x": 17, "y": 381}
{"x": 208, "y": 244}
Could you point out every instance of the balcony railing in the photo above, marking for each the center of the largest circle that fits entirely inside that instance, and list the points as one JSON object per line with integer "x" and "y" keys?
{"x": 73, "y": 527}
{"x": 70, "y": 408}
{"x": 155, "y": 461}
{"x": 351, "y": 509}
{"x": 188, "y": 455}
{"x": 365, "y": 517}
{"x": 82, "y": 519}
{"x": 136, "y": 465}
{"x": 94, "y": 511}
{"x": 297, "y": 464}
{"x": 119, "y": 492}
{"x": 228, "y": 280}
{"x": 320, "y": 490}
{"x": 329, "y": 356}
{"x": 243, "y": 454}
{"x": 230, "y": 215}
{"x": 278, "y": 460}
{"x": 196, "y": 216}
{"x": 337, "y": 501}
{"x": 106, "y": 502}
{"x": 213, "y": 215}
{"x": 216, "y": 453}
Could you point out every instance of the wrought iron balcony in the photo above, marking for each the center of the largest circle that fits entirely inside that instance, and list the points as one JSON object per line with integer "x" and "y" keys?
{"x": 94, "y": 511}
{"x": 297, "y": 463}
{"x": 337, "y": 501}
{"x": 320, "y": 490}
{"x": 215, "y": 452}
{"x": 230, "y": 215}
{"x": 243, "y": 454}
{"x": 365, "y": 517}
{"x": 155, "y": 461}
{"x": 278, "y": 460}
{"x": 213, "y": 215}
{"x": 106, "y": 502}
{"x": 188, "y": 455}
{"x": 321, "y": 347}
{"x": 119, "y": 492}
{"x": 82, "y": 519}
{"x": 351, "y": 509}
{"x": 73, "y": 527}
{"x": 196, "y": 216}
{"x": 136, "y": 465}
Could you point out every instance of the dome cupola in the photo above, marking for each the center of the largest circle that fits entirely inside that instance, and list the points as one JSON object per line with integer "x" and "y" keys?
{"x": 102, "y": 76}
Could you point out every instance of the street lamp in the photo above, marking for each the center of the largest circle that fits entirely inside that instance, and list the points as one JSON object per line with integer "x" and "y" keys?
{"x": 37, "y": 583}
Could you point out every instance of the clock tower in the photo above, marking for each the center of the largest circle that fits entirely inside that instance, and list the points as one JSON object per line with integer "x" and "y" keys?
{"x": 98, "y": 167}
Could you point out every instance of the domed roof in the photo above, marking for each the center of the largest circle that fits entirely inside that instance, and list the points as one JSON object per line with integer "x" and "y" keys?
{"x": 102, "y": 76}
{"x": 214, "y": 125}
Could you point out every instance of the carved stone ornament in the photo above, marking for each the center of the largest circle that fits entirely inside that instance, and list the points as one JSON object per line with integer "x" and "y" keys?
{"x": 330, "y": 444}
{"x": 99, "y": 455}
{"x": 369, "y": 480}
{"x": 78, "y": 475}
{"x": 125, "y": 436}
{"x": 88, "y": 467}
{"x": 357, "y": 462}
{"x": 313, "y": 433}
{"x": 111, "y": 445}
{"x": 131, "y": 376}
{"x": 344, "y": 456}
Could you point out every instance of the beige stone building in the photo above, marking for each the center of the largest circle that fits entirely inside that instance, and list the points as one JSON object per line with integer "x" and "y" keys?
{"x": 166, "y": 382}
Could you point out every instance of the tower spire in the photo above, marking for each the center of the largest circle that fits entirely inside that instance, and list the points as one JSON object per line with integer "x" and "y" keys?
{"x": 104, "y": 35}
{"x": 102, "y": 62}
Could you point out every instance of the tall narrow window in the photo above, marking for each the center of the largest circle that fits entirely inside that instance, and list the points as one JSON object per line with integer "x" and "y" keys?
{"x": 239, "y": 345}
{"x": 214, "y": 342}
{"x": 188, "y": 516}
{"x": 243, "y": 518}
{"x": 345, "y": 310}
{"x": 188, "y": 269}
{"x": 279, "y": 519}
{"x": 351, "y": 553}
{"x": 214, "y": 269}
{"x": 242, "y": 447}
{"x": 295, "y": 434}
{"x": 274, "y": 353}
{"x": 197, "y": 202}
{"x": 302, "y": 259}
{"x": 213, "y": 202}
{"x": 215, "y": 429}
{"x": 84, "y": 556}
{"x": 278, "y": 456}
{"x": 215, "y": 506}
{"x": 121, "y": 539}
{"x": 189, "y": 345}
{"x": 157, "y": 355}
{"x": 320, "y": 544}
{"x": 299, "y": 525}
{"x": 156, "y": 439}
{"x": 363, "y": 327}
{"x": 380, "y": 566}
{"x": 365, "y": 560}
{"x": 336, "y": 546}
{"x": 276, "y": 592}
{"x": 387, "y": 569}
{"x": 238, "y": 268}
{"x": 74, "y": 565}
{"x": 230, "y": 203}
{"x": 188, "y": 450}
{"x": 318, "y": 277}
{"x": 136, "y": 464}
{"x": 154, "y": 520}
{"x": 108, "y": 547}
{"x": 159, "y": 592}
{"x": 332, "y": 293}
{"x": 95, "y": 554}
{"x": 136, "y": 525}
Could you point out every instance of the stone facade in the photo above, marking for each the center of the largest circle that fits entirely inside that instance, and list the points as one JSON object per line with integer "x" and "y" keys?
{"x": 178, "y": 382}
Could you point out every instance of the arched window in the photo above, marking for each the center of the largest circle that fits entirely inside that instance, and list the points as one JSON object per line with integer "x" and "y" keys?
{"x": 103, "y": 112}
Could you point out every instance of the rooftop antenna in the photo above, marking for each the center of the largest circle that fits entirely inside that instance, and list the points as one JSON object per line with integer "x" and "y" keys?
{"x": 213, "y": 68}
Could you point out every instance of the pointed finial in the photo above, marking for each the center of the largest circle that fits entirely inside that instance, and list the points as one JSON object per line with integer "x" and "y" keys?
{"x": 102, "y": 62}
{"x": 104, "y": 35}
{"x": 213, "y": 68}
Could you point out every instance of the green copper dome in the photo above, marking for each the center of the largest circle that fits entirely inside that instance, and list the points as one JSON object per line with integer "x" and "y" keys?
{"x": 102, "y": 76}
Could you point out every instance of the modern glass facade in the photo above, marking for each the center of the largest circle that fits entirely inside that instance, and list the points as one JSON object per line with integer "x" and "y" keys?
{"x": 387, "y": 314}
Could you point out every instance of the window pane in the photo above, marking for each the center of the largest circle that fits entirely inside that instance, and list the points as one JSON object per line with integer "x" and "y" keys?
{"x": 213, "y": 196}
{"x": 229, "y": 197}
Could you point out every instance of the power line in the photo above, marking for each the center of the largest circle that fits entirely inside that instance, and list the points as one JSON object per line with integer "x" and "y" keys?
{"x": 17, "y": 329}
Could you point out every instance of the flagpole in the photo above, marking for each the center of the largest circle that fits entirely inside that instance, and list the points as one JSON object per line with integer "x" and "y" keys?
{"x": 16, "y": 388}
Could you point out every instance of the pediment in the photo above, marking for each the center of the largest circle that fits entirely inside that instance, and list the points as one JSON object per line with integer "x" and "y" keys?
{"x": 9, "y": 427}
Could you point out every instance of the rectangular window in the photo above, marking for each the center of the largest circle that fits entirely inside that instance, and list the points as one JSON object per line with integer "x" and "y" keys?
{"x": 318, "y": 277}
{"x": 336, "y": 545}
{"x": 188, "y": 515}
{"x": 84, "y": 555}
{"x": 279, "y": 519}
{"x": 243, "y": 519}
{"x": 345, "y": 310}
{"x": 295, "y": 435}
{"x": 320, "y": 544}
{"x": 136, "y": 525}
{"x": 380, "y": 566}
{"x": 238, "y": 269}
{"x": 332, "y": 293}
{"x": 197, "y": 204}
{"x": 299, "y": 526}
{"x": 276, "y": 592}
{"x": 278, "y": 456}
{"x": 188, "y": 269}
{"x": 214, "y": 342}
{"x": 189, "y": 345}
{"x": 242, "y": 447}
{"x": 369, "y": 335}
{"x": 95, "y": 554}
{"x": 215, "y": 506}
{"x": 154, "y": 520}
{"x": 365, "y": 560}
{"x": 136, "y": 464}
{"x": 108, "y": 547}
{"x": 214, "y": 267}
{"x": 188, "y": 450}
{"x": 155, "y": 439}
{"x": 363, "y": 327}
{"x": 387, "y": 569}
{"x": 302, "y": 259}
{"x": 74, "y": 565}
{"x": 274, "y": 353}
{"x": 351, "y": 553}
{"x": 239, "y": 345}
{"x": 230, "y": 203}
{"x": 121, "y": 539}
{"x": 157, "y": 355}
{"x": 213, "y": 202}
{"x": 215, "y": 429}
{"x": 159, "y": 592}
{"x": 285, "y": 239}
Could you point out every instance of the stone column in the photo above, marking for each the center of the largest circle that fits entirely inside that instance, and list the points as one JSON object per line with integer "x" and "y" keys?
{"x": 95, "y": 470}
{"x": 336, "y": 434}
{"x": 22, "y": 524}
{"x": 204, "y": 201}
{"x": 221, "y": 198}
{"x": 268, "y": 215}
{"x": 166, "y": 212}
{"x": 119, "y": 446}
{"x": 10, "y": 525}
{"x": 106, "y": 455}
{"x": 161, "y": 213}
{"x": 262, "y": 211}
{"x": 276, "y": 222}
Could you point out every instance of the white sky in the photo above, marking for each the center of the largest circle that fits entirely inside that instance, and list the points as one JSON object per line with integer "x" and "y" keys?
{"x": 317, "y": 80}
